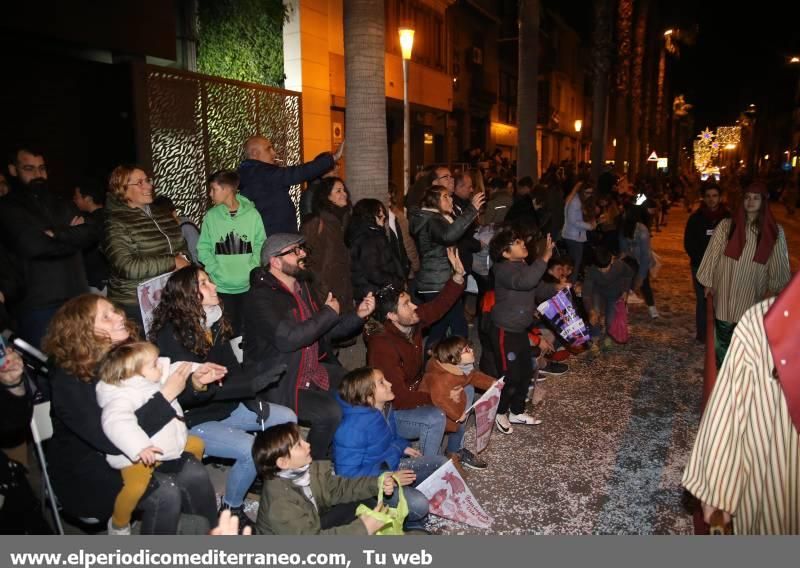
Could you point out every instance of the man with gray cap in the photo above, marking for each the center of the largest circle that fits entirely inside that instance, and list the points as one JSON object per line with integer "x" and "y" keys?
{"x": 285, "y": 323}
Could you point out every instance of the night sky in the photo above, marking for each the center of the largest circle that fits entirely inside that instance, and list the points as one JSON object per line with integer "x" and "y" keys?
{"x": 739, "y": 56}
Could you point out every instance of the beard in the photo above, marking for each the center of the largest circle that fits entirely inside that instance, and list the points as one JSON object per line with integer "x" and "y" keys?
{"x": 37, "y": 184}
{"x": 298, "y": 272}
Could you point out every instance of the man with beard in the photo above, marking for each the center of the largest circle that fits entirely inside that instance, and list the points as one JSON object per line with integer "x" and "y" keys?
{"x": 286, "y": 324}
{"x": 698, "y": 233}
{"x": 396, "y": 349}
{"x": 47, "y": 235}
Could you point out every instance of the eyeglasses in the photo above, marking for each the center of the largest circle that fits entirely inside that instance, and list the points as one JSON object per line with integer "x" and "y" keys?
{"x": 387, "y": 291}
{"x": 295, "y": 250}
{"x": 141, "y": 182}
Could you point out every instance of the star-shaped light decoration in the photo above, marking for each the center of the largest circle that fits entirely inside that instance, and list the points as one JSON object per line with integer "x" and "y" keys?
{"x": 706, "y": 135}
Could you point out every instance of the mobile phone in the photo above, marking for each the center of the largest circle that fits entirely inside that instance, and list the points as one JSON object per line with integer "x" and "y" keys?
{"x": 2, "y": 352}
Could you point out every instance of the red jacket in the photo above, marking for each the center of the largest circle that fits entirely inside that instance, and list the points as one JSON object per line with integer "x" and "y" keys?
{"x": 401, "y": 358}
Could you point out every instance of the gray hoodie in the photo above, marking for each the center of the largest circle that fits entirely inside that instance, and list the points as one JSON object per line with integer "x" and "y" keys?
{"x": 515, "y": 300}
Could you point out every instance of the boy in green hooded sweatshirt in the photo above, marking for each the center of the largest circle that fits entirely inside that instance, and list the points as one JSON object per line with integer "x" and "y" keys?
{"x": 230, "y": 242}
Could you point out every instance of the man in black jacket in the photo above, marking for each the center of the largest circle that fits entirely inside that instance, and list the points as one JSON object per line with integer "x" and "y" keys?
{"x": 285, "y": 324}
{"x": 267, "y": 184}
{"x": 47, "y": 235}
{"x": 698, "y": 233}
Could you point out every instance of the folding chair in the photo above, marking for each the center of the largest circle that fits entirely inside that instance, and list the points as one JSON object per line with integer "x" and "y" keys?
{"x": 42, "y": 429}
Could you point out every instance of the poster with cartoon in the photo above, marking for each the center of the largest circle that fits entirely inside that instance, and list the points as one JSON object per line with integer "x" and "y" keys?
{"x": 450, "y": 498}
{"x": 149, "y": 294}
{"x": 485, "y": 410}
{"x": 560, "y": 312}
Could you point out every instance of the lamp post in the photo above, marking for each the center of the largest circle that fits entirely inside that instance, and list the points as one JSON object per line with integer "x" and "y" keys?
{"x": 406, "y": 46}
{"x": 578, "y": 127}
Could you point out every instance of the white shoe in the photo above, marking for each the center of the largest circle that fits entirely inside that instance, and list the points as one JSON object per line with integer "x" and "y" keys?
{"x": 503, "y": 424}
{"x": 114, "y": 531}
{"x": 523, "y": 419}
{"x": 634, "y": 299}
{"x": 653, "y": 312}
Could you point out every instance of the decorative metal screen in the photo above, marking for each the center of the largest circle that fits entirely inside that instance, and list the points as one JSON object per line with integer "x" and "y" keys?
{"x": 198, "y": 124}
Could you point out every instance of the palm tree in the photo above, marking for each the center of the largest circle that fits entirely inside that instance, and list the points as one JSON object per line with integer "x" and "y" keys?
{"x": 528, "y": 87}
{"x": 623, "y": 83}
{"x": 601, "y": 65}
{"x": 640, "y": 39}
{"x": 365, "y": 119}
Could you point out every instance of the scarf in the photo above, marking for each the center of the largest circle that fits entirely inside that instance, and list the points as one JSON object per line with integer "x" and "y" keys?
{"x": 768, "y": 230}
{"x": 213, "y": 315}
{"x": 466, "y": 368}
{"x": 714, "y": 217}
{"x": 300, "y": 478}
{"x": 783, "y": 343}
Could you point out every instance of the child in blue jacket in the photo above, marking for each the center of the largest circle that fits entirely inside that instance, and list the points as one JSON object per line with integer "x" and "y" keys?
{"x": 366, "y": 442}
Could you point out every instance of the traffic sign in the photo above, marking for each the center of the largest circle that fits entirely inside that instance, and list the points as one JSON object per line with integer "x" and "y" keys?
{"x": 653, "y": 157}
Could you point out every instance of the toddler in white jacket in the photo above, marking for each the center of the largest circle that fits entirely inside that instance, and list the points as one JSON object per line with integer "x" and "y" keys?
{"x": 129, "y": 376}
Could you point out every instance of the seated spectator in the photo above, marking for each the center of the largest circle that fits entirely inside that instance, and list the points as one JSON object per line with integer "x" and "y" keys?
{"x": 512, "y": 316}
{"x": 130, "y": 375}
{"x": 189, "y": 230}
{"x": 81, "y": 333}
{"x": 142, "y": 241}
{"x": 554, "y": 280}
{"x": 190, "y": 324}
{"x": 374, "y": 264}
{"x": 435, "y": 230}
{"x": 396, "y": 349}
{"x": 89, "y": 197}
{"x": 230, "y": 243}
{"x": 46, "y": 234}
{"x": 286, "y": 324}
{"x": 634, "y": 241}
{"x": 367, "y": 443}
{"x": 451, "y": 379}
{"x": 304, "y": 497}
{"x": 606, "y": 281}
{"x": 328, "y": 255}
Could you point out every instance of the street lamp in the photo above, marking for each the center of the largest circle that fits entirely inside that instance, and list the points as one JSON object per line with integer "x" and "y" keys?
{"x": 406, "y": 46}
{"x": 578, "y": 126}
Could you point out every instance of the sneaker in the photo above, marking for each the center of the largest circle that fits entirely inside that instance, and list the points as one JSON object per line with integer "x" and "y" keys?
{"x": 633, "y": 299}
{"x": 653, "y": 312}
{"x": 540, "y": 378}
{"x": 523, "y": 419}
{"x": 244, "y": 520}
{"x": 114, "y": 531}
{"x": 503, "y": 424}
{"x": 455, "y": 457}
{"x": 554, "y": 368}
{"x": 470, "y": 460}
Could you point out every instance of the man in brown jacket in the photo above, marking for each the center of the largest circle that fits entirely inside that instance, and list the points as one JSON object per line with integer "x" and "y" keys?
{"x": 397, "y": 350}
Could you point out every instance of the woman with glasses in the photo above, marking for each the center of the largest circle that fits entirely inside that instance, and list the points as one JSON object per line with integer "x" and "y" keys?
{"x": 434, "y": 229}
{"x": 374, "y": 263}
{"x": 142, "y": 241}
{"x": 328, "y": 256}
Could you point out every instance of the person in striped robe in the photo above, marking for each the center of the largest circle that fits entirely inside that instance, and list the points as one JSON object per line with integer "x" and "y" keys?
{"x": 746, "y": 457}
{"x": 746, "y": 261}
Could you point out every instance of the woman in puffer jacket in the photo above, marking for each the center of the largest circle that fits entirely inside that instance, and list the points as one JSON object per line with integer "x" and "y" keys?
{"x": 373, "y": 263}
{"x": 142, "y": 241}
{"x": 434, "y": 229}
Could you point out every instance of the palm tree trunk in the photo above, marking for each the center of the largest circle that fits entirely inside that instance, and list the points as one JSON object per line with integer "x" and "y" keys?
{"x": 623, "y": 85}
{"x": 601, "y": 65}
{"x": 365, "y": 118}
{"x": 528, "y": 88}
{"x": 640, "y": 39}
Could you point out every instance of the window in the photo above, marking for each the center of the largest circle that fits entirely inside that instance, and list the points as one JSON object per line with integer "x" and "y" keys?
{"x": 507, "y": 98}
{"x": 429, "y": 25}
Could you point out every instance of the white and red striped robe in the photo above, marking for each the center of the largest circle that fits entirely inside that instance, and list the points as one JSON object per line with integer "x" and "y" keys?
{"x": 746, "y": 457}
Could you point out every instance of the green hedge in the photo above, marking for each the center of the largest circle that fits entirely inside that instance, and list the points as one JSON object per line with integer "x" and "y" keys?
{"x": 242, "y": 39}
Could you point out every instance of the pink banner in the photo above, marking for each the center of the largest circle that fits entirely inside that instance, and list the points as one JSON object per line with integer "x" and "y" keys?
{"x": 450, "y": 498}
{"x": 485, "y": 411}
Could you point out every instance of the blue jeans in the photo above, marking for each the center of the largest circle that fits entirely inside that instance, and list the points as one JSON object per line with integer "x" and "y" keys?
{"x": 575, "y": 251}
{"x": 417, "y": 502}
{"x": 455, "y": 440}
{"x": 229, "y": 438}
{"x": 425, "y": 423}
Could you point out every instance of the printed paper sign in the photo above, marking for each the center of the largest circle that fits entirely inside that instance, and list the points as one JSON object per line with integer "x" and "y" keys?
{"x": 561, "y": 314}
{"x": 450, "y": 498}
{"x": 149, "y": 294}
{"x": 485, "y": 411}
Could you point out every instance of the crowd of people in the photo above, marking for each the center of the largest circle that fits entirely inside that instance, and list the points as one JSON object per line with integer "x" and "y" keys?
{"x": 242, "y": 346}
